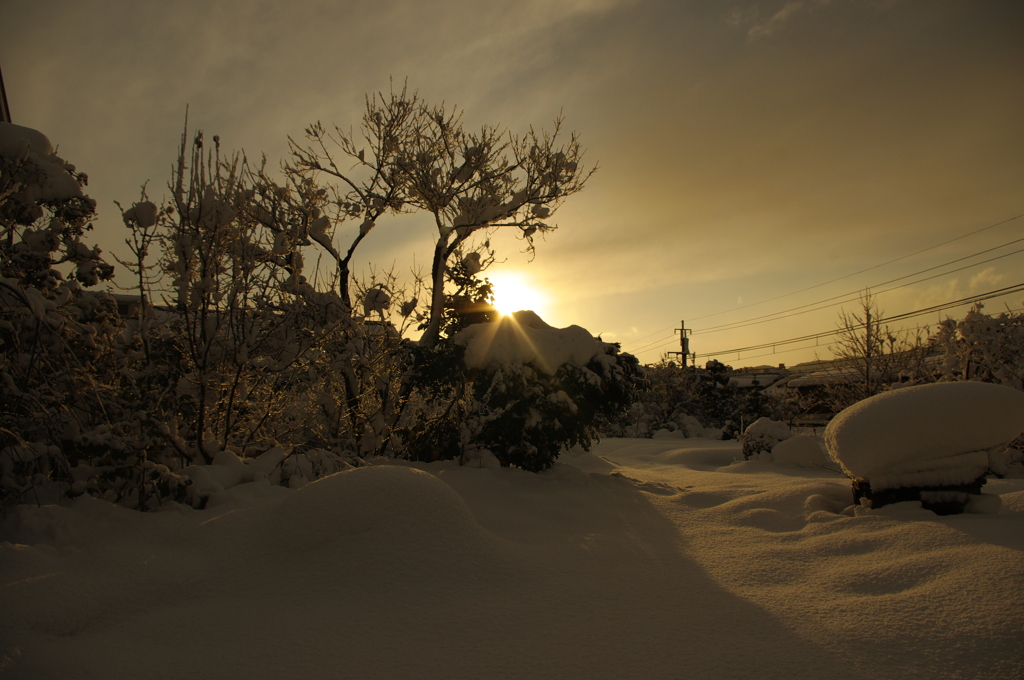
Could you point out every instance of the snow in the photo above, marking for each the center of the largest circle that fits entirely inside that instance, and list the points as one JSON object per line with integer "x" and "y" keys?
{"x": 524, "y": 338}
{"x": 56, "y": 182}
{"x": 640, "y": 559}
{"x": 927, "y": 435}
{"x": 800, "y": 450}
{"x": 472, "y": 263}
{"x": 762, "y": 435}
{"x": 376, "y": 300}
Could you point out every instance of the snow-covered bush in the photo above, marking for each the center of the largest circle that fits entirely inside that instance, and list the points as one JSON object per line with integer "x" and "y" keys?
{"x": 931, "y": 443}
{"x": 530, "y": 391}
{"x": 983, "y": 347}
{"x": 43, "y": 215}
{"x": 55, "y": 337}
{"x": 252, "y": 362}
{"x": 761, "y": 436}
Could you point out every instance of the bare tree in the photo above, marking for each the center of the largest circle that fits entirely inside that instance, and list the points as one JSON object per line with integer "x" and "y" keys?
{"x": 373, "y": 182}
{"x": 473, "y": 183}
{"x": 871, "y": 355}
{"x": 413, "y": 156}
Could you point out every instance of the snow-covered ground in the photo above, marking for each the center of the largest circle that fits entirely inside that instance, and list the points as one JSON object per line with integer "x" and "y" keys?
{"x": 657, "y": 558}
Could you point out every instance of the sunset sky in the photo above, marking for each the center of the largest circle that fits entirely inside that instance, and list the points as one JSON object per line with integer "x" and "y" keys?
{"x": 747, "y": 150}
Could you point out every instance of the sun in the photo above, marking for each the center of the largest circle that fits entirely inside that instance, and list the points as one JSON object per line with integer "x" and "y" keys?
{"x": 514, "y": 292}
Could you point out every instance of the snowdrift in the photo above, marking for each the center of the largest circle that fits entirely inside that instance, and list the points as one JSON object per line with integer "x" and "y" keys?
{"x": 640, "y": 559}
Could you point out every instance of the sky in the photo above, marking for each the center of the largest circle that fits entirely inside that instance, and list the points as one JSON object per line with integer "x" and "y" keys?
{"x": 753, "y": 157}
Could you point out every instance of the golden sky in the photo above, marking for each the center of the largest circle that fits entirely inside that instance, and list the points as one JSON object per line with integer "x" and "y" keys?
{"x": 747, "y": 149}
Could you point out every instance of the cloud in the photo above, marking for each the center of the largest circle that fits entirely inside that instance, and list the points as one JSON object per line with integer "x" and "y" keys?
{"x": 761, "y": 23}
{"x": 987, "y": 279}
{"x": 789, "y": 138}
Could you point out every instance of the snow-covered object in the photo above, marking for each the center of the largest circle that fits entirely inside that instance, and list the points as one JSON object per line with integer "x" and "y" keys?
{"x": 524, "y": 338}
{"x": 32, "y": 146}
{"x": 409, "y": 306}
{"x": 16, "y": 140}
{"x": 800, "y": 451}
{"x": 927, "y": 435}
{"x": 472, "y": 263}
{"x": 762, "y": 435}
{"x": 692, "y": 427}
{"x": 143, "y": 213}
{"x": 375, "y": 300}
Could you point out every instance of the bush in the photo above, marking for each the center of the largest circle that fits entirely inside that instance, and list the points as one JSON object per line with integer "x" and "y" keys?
{"x": 672, "y": 396}
{"x": 253, "y": 360}
{"x": 524, "y": 413}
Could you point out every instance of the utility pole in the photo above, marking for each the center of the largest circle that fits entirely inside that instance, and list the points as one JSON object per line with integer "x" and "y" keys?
{"x": 5, "y": 110}
{"x": 684, "y": 343}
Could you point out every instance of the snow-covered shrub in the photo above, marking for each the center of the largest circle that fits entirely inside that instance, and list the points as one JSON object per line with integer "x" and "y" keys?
{"x": 43, "y": 215}
{"x": 761, "y": 436}
{"x": 258, "y": 357}
{"x": 529, "y": 392}
{"x": 931, "y": 443}
{"x": 247, "y": 357}
{"x": 52, "y": 331}
{"x": 526, "y": 418}
{"x": 983, "y": 347}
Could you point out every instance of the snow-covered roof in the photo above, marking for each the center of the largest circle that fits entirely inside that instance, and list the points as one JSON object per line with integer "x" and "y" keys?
{"x": 761, "y": 380}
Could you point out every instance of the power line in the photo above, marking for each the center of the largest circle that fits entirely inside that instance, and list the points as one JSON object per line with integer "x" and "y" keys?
{"x": 644, "y": 337}
{"x": 662, "y": 341}
{"x": 863, "y": 271}
{"x": 906, "y": 315}
{"x": 820, "y": 304}
{"x": 811, "y": 306}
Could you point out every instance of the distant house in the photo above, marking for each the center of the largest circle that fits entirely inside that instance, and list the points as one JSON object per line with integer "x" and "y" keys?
{"x": 758, "y": 377}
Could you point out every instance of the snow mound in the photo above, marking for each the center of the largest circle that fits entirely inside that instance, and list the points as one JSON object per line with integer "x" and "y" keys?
{"x": 524, "y": 338}
{"x": 588, "y": 462}
{"x": 378, "y": 498}
{"x": 800, "y": 451}
{"x": 927, "y": 435}
{"x": 369, "y": 518}
{"x": 692, "y": 427}
{"x": 761, "y": 436}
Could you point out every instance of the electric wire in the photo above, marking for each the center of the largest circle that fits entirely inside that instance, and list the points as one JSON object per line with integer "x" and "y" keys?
{"x": 841, "y": 299}
{"x": 863, "y": 271}
{"x": 652, "y": 344}
{"x": 786, "y": 313}
{"x": 800, "y": 349}
{"x": 1008, "y": 290}
{"x": 644, "y": 337}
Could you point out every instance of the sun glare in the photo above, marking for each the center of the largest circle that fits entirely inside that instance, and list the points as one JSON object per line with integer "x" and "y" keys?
{"x": 513, "y": 292}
